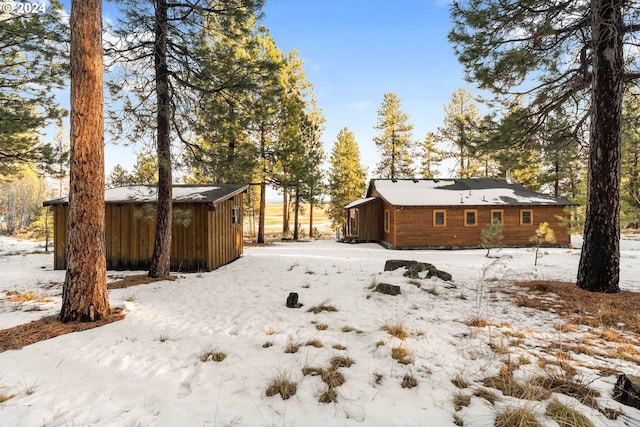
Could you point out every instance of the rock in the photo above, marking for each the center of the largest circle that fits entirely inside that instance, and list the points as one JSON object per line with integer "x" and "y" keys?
{"x": 292, "y": 300}
{"x": 627, "y": 390}
{"x": 414, "y": 270}
{"x": 394, "y": 264}
{"x": 386, "y": 288}
{"x": 443, "y": 275}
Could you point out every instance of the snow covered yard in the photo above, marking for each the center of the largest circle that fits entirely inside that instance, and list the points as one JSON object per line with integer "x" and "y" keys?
{"x": 148, "y": 369}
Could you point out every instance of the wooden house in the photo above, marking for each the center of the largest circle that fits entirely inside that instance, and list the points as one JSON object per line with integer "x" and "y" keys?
{"x": 450, "y": 213}
{"x": 206, "y": 231}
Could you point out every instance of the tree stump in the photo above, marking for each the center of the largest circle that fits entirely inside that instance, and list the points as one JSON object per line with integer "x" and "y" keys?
{"x": 627, "y": 390}
{"x": 292, "y": 300}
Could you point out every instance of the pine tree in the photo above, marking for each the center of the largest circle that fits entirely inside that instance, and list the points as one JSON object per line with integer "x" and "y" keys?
{"x": 461, "y": 129}
{"x": 395, "y": 144}
{"x": 491, "y": 236}
{"x": 346, "y": 177}
{"x": 33, "y": 65}
{"x": 84, "y": 293}
{"x": 630, "y": 185}
{"x": 431, "y": 156}
{"x": 173, "y": 52}
{"x": 570, "y": 54}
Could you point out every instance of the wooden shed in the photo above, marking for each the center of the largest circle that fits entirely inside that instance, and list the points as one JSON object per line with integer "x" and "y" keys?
{"x": 206, "y": 231}
{"x": 450, "y": 213}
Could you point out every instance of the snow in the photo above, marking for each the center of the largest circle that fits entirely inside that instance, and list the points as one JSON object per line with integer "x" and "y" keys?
{"x": 434, "y": 192}
{"x": 146, "y": 369}
{"x": 147, "y": 193}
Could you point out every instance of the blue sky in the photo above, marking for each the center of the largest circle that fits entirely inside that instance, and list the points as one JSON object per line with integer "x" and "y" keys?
{"x": 357, "y": 50}
{"x": 354, "y": 52}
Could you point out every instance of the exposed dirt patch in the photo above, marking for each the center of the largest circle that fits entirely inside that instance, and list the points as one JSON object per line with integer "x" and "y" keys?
{"x": 620, "y": 311}
{"x": 137, "y": 279}
{"x": 48, "y": 327}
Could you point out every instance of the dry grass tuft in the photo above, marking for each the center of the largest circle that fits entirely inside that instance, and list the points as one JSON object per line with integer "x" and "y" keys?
{"x": 459, "y": 381}
{"x": 214, "y": 356}
{"x": 569, "y": 387}
{"x": 281, "y": 385}
{"x": 322, "y": 307}
{"x": 322, "y": 326}
{"x": 457, "y": 420}
{"x": 341, "y": 362}
{"x": 432, "y": 290}
{"x": 5, "y": 397}
{"x": 460, "y": 400}
{"x": 339, "y": 347}
{"x": 48, "y": 327}
{"x": 396, "y": 330}
{"x": 409, "y": 381}
{"x": 579, "y": 306}
{"x": 347, "y": 329}
{"x": 271, "y": 331}
{"x": 487, "y": 395}
{"x": 332, "y": 377}
{"x": 314, "y": 343}
{"x": 566, "y": 416}
{"x": 22, "y": 297}
{"x": 328, "y": 396}
{"x": 478, "y": 322}
{"x": 267, "y": 344}
{"x": 516, "y": 417}
{"x": 378, "y": 377}
{"x": 510, "y": 387}
{"x": 292, "y": 348}
{"x": 312, "y": 370}
{"x": 401, "y": 355}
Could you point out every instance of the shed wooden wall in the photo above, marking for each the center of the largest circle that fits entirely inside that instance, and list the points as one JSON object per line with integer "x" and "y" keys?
{"x": 369, "y": 225}
{"x": 412, "y": 227}
{"x": 206, "y": 243}
{"x": 225, "y": 239}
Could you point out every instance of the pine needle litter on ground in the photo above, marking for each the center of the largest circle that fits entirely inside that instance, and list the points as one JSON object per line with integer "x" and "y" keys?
{"x": 48, "y": 327}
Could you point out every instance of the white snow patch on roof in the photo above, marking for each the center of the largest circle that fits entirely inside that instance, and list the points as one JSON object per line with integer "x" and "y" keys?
{"x": 435, "y": 193}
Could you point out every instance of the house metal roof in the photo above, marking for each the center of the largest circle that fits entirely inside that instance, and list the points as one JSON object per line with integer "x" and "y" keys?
{"x": 181, "y": 194}
{"x": 359, "y": 202}
{"x": 458, "y": 192}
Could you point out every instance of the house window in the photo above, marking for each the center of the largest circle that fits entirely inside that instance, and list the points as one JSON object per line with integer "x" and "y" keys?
{"x": 439, "y": 218}
{"x": 526, "y": 216}
{"x": 235, "y": 215}
{"x": 497, "y": 215}
{"x": 470, "y": 217}
{"x": 386, "y": 220}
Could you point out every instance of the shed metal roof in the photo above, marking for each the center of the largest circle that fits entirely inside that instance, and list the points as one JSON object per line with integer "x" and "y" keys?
{"x": 181, "y": 194}
{"x": 458, "y": 192}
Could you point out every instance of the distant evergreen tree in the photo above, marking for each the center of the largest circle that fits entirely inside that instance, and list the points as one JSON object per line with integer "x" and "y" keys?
{"x": 430, "y": 156}
{"x": 630, "y": 185}
{"x": 346, "y": 177}
{"x": 395, "y": 144}
{"x": 33, "y": 64}
{"x": 461, "y": 128}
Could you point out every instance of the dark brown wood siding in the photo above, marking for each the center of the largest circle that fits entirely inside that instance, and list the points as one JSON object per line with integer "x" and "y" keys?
{"x": 365, "y": 222}
{"x": 413, "y": 227}
{"x": 225, "y": 239}
{"x": 207, "y": 241}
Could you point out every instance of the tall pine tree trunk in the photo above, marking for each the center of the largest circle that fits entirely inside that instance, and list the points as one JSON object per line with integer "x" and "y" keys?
{"x": 311, "y": 219}
{"x": 296, "y": 207}
{"x": 161, "y": 260}
{"x": 84, "y": 294}
{"x": 263, "y": 185}
{"x": 285, "y": 213}
{"x": 599, "y": 268}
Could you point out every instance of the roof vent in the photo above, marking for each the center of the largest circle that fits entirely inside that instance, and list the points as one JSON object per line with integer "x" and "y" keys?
{"x": 461, "y": 199}
{"x": 483, "y": 199}
{"x": 469, "y": 192}
{"x": 508, "y": 177}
